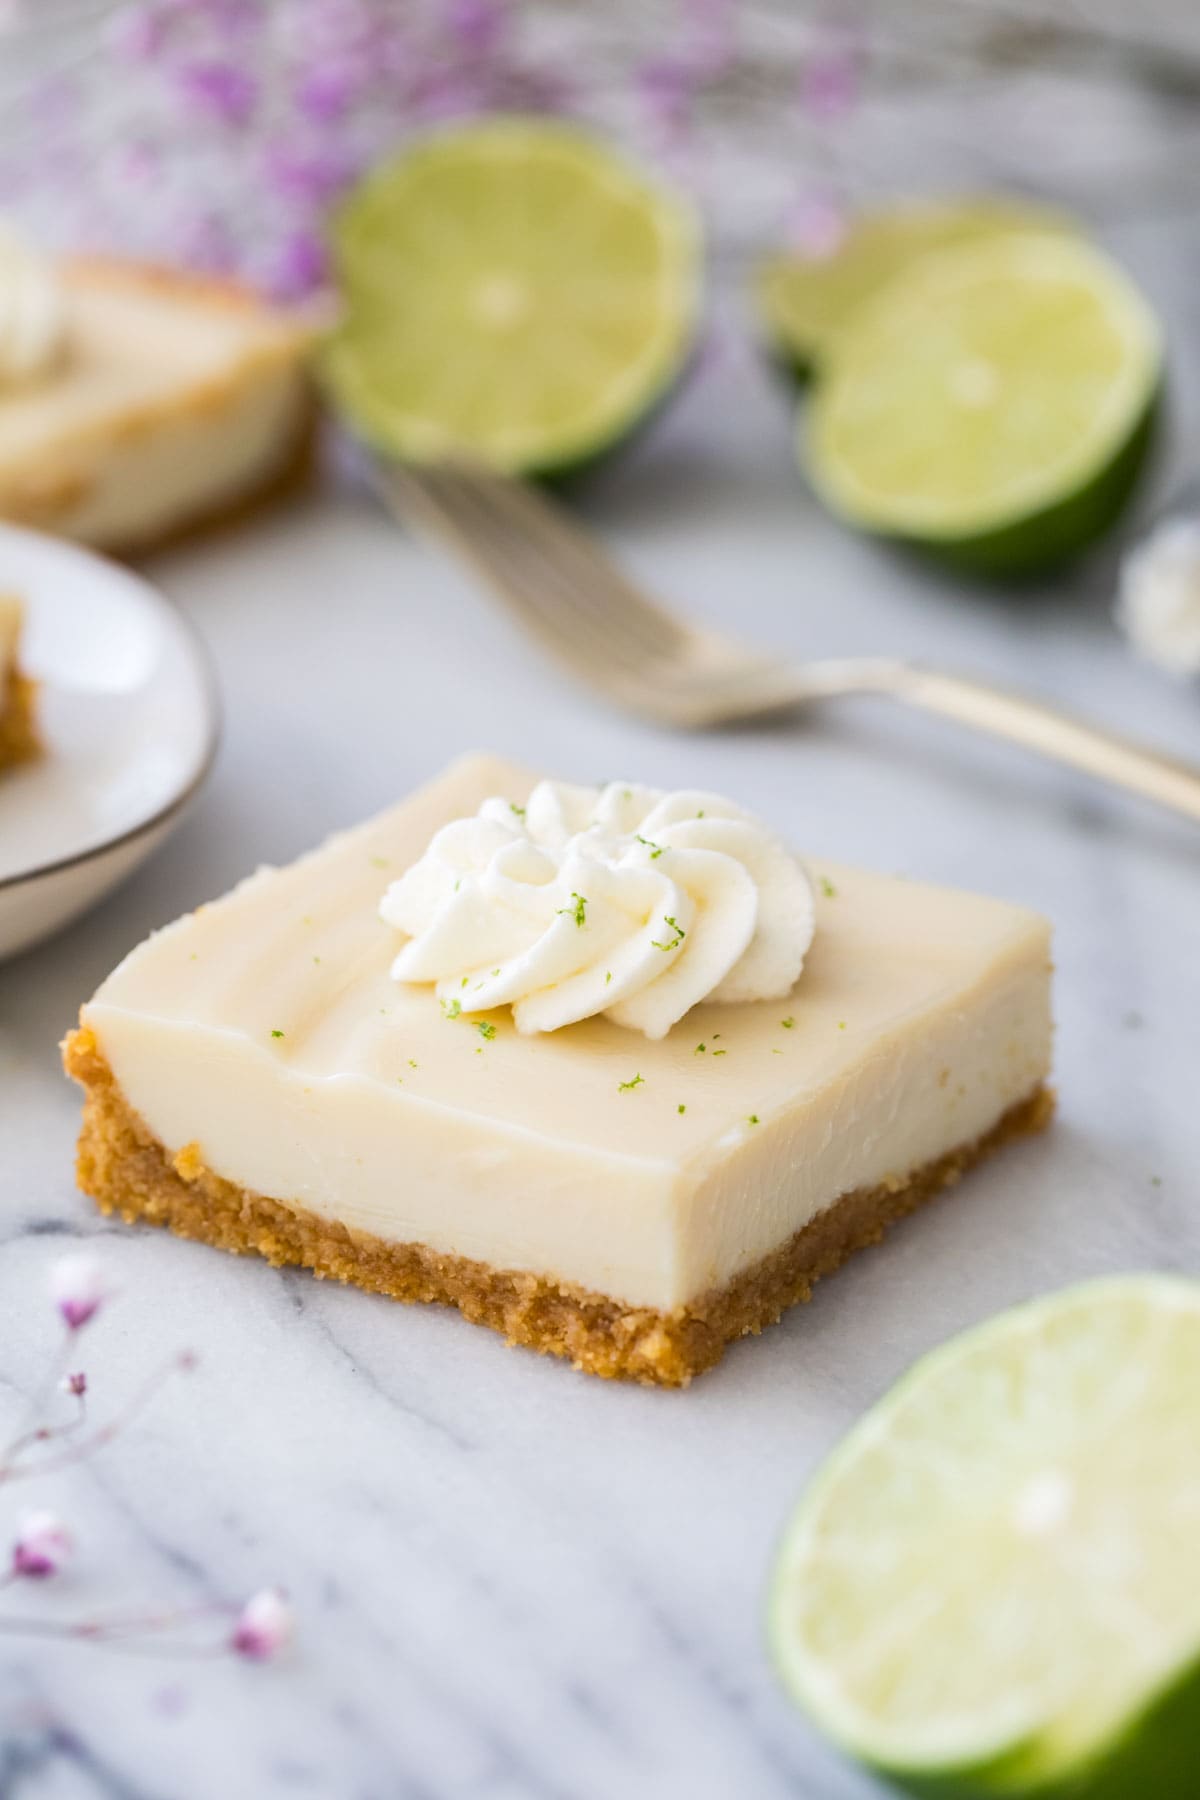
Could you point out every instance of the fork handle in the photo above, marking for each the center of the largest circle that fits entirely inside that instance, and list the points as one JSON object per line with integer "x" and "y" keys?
{"x": 1059, "y": 735}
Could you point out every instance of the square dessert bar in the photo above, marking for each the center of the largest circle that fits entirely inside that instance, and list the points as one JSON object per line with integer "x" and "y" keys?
{"x": 255, "y": 1078}
{"x": 175, "y": 400}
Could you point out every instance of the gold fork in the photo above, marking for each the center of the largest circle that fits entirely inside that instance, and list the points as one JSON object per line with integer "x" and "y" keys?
{"x": 561, "y": 588}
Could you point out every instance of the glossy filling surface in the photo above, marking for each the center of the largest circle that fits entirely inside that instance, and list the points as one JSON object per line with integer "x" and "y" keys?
{"x": 265, "y": 1030}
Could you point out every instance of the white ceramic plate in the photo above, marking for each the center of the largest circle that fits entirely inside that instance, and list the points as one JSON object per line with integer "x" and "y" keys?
{"x": 128, "y": 714}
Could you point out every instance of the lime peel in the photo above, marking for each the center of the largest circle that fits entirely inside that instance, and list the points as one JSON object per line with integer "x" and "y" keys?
{"x": 514, "y": 290}
{"x": 994, "y": 403}
{"x": 985, "y": 1590}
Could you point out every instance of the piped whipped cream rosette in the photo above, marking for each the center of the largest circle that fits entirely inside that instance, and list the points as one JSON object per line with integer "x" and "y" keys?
{"x": 623, "y": 901}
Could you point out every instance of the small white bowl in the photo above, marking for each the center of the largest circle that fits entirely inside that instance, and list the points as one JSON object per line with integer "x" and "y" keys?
{"x": 127, "y": 712}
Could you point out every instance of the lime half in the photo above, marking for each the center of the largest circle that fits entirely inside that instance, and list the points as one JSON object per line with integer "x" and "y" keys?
{"x": 993, "y": 1585}
{"x": 803, "y": 302}
{"x": 513, "y": 290}
{"x": 994, "y": 403}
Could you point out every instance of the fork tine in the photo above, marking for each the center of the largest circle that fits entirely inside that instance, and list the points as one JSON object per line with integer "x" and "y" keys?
{"x": 441, "y": 501}
{"x": 539, "y": 520}
{"x": 574, "y": 599}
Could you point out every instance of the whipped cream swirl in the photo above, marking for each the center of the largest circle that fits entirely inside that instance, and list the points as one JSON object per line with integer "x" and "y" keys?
{"x": 620, "y": 900}
{"x": 32, "y": 313}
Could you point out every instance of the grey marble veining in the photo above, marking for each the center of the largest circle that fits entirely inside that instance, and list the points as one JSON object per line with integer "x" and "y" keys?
{"x": 513, "y": 1582}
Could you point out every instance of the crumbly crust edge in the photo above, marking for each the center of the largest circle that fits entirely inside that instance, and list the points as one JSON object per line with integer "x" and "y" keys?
{"x": 19, "y": 740}
{"x": 127, "y": 1171}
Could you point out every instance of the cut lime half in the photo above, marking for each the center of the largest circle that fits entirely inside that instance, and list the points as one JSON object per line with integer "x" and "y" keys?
{"x": 804, "y": 302}
{"x": 992, "y": 1588}
{"x": 513, "y": 290}
{"x": 993, "y": 403}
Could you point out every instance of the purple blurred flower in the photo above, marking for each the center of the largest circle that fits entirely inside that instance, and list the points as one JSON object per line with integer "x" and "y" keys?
{"x": 300, "y": 266}
{"x": 219, "y": 90}
{"x": 42, "y": 1546}
{"x": 816, "y": 227}
{"x": 135, "y": 32}
{"x": 448, "y": 92}
{"x": 77, "y": 1289}
{"x": 325, "y": 94}
{"x": 75, "y": 1384}
{"x": 207, "y": 244}
{"x": 138, "y": 162}
{"x": 477, "y": 25}
{"x": 263, "y": 1626}
{"x": 668, "y": 88}
{"x": 709, "y": 39}
{"x": 308, "y": 174}
{"x": 829, "y": 82}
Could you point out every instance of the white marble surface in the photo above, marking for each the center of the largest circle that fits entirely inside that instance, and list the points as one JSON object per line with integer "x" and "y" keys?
{"x": 514, "y": 1582}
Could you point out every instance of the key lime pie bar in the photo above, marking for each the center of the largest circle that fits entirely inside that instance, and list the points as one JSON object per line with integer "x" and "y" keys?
{"x": 135, "y": 402}
{"x": 18, "y": 731}
{"x": 607, "y": 1069}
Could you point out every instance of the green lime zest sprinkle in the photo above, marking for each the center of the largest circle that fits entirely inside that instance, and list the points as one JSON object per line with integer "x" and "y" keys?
{"x": 674, "y": 943}
{"x": 607, "y": 976}
{"x": 652, "y": 847}
{"x": 486, "y": 1029}
{"x": 451, "y": 1009}
{"x": 578, "y": 912}
{"x": 518, "y": 810}
{"x": 623, "y": 1087}
{"x": 681, "y": 1108}
{"x": 753, "y": 1119}
{"x": 841, "y": 1024}
{"x": 720, "y": 1053}
{"x": 380, "y": 862}
{"x": 700, "y": 814}
{"x": 276, "y": 1032}
{"x": 787, "y": 1024}
{"x": 700, "y": 1049}
{"x": 827, "y": 888}
{"x": 412, "y": 1064}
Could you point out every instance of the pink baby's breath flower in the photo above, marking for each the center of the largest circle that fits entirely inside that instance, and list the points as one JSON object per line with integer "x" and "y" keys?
{"x": 75, "y": 1384}
{"x": 77, "y": 1289}
{"x": 42, "y": 1546}
{"x": 263, "y": 1626}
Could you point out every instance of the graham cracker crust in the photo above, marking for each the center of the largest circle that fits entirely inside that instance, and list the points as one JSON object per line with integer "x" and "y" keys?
{"x": 125, "y": 1169}
{"x": 19, "y": 739}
